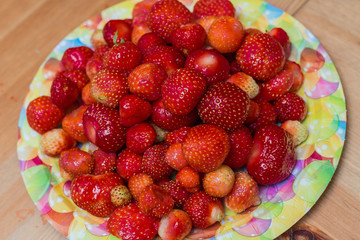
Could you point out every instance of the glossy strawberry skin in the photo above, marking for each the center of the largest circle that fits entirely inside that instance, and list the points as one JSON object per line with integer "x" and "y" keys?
{"x": 103, "y": 162}
{"x": 188, "y": 38}
{"x": 63, "y": 91}
{"x": 133, "y": 110}
{"x": 43, "y": 115}
{"x": 154, "y": 164}
{"x": 76, "y": 162}
{"x": 119, "y": 27}
{"x": 175, "y": 225}
{"x": 149, "y": 40}
{"x": 72, "y": 123}
{"x": 277, "y": 86}
{"x": 213, "y": 8}
{"x": 77, "y": 76}
{"x": 177, "y": 192}
{"x": 76, "y": 57}
{"x": 140, "y": 137}
{"x": 290, "y": 107}
{"x": 123, "y": 57}
{"x": 128, "y": 164}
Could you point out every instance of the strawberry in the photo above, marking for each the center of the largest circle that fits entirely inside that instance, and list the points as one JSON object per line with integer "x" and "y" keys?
{"x": 149, "y": 40}
{"x": 177, "y": 192}
{"x": 86, "y": 96}
{"x": 188, "y": 177}
{"x": 153, "y": 162}
{"x": 234, "y": 67}
{"x": 165, "y": 16}
{"x": 224, "y": 105}
{"x": 56, "y": 140}
{"x": 123, "y": 57}
{"x": 290, "y": 107}
{"x": 253, "y": 113}
{"x": 129, "y": 223}
{"x": 203, "y": 209}
{"x": 177, "y": 136}
{"x": 244, "y": 194}
{"x": 175, "y": 157}
{"x": 241, "y": 144}
{"x": 63, "y": 91}
{"x": 182, "y": 90}
{"x": 76, "y": 162}
{"x": 76, "y": 57}
{"x": 116, "y": 27}
{"x": 77, "y": 76}
{"x": 211, "y": 64}
{"x": 277, "y": 86}
{"x": 102, "y": 127}
{"x": 220, "y": 182}
{"x": 188, "y": 38}
{"x": 175, "y": 225}
{"x": 137, "y": 184}
{"x": 94, "y": 65}
{"x": 140, "y": 137}
{"x": 168, "y": 121}
{"x": 297, "y": 75}
{"x": 267, "y": 114}
{"x": 260, "y": 56}
{"x": 128, "y": 164}
{"x": 272, "y": 157}
{"x": 283, "y": 38}
{"x": 169, "y": 58}
{"x": 93, "y": 193}
{"x": 297, "y": 131}
{"x": 133, "y": 110}
{"x": 155, "y": 201}
{"x": 206, "y": 22}
{"x": 206, "y": 147}
{"x": 103, "y": 162}
{"x": 226, "y": 34}
{"x": 145, "y": 81}
{"x": 217, "y": 8}
{"x": 120, "y": 196}
{"x": 43, "y": 115}
{"x": 72, "y": 123}
{"x": 246, "y": 83}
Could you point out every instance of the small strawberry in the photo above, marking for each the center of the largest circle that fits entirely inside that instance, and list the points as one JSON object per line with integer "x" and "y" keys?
{"x": 217, "y": 8}
{"x": 297, "y": 75}
{"x": 203, "y": 209}
{"x": 133, "y": 110}
{"x": 117, "y": 27}
{"x": 154, "y": 164}
{"x": 267, "y": 114}
{"x": 253, "y": 113}
{"x": 297, "y": 130}
{"x": 177, "y": 136}
{"x": 56, "y": 140}
{"x": 244, "y": 194}
{"x": 140, "y": 137}
{"x": 220, "y": 182}
{"x": 43, "y": 115}
{"x": 128, "y": 164}
{"x": 175, "y": 157}
{"x": 182, "y": 90}
{"x": 103, "y": 162}
{"x": 76, "y": 162}
{"x": 260, "y": 56}
{"x": 137, "y": 184}
{"x": 120, "y": 196}
{"x": 149, "y": 40}
{"x": 224, "y": 105}
{"x": 102, "y": 127}
{"x": 155, "y": 201}
{"x": 277, "y": 86}
{"x": 94, "y": 65}
{"x": 188, "y": 177}
{"x": 188, "y": 38}
{"x": 145, "y": 81}
{"x": 86, "y": 96}
{"x": 129, "y": 223}
{"x": 206, "y": 147}
{"x": 290, "y": 107}
{"x": 76, "y": 57}
{"x": 178, "y": 193}
{"x": 93, "y": 193}
{"x": 63, "y": 91}
{"x": 175, "y": 225}
{"x": 72, "y": 123}
{"x": 272, "y": 157}
{"x": 165, "y": 16}
{"x": 283, "y": 38}
{"x": 246, "y": 83}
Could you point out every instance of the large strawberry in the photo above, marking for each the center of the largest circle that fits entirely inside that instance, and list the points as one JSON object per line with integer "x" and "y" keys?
{"x": 154, "y": 163}
{"x": 214, "y": 8}
{"x": 76, "y": 57}
{"x": 76, "y": 162}
{"x": 117, "y": 27}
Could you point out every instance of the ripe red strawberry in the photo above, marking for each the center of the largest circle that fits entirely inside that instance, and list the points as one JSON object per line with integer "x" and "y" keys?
{"x": 253, "y": 113}
{"x": 76, "y": 162}
{"x": 129, "y": 223}
{"x": 211, "y": 64}
{"x": 206, "y": 147}
{"x": 94, "y": 65}
{"x": 175, "y": 157}
{"x": 175, "y": 225}
{"x": 133, "y": 110}
{"x": 188, "y": 177}
{"x": 77, "y": 76}
{"x": 182, "y": 90}
{"x": 123, "y": 57}
{"x": 169, "y": 58}
{"x": 140, "y": 137}
{"x": 244, "y": 194}
{"x": 137, "y": 183}
{"x": 76, "y": 57}
{"x": 213, "y": 8}
{"x": 261, "y": 56}
{"x": 72, "y": 123}
{"x": 120, "y": 196}
{"x": 63, "y": 91}
{"x": 177, "y": 192}
{"x": 145, "y": 81}
{"x": 297, "y": 75}
{"x": 277, "y": 86}
{"x": 86, "y": 96}
{"x": 226, "y": 34}
{"x": 149, "y": 40}
{"x": 43, "y": 115}
{"x": 128, "y": 164}
{"x": 103, "y": 162}
{"x": 290, "y": 107}
{"x": 272, "y": 157}
{"x": 56, "y": 140}
{"x": 93, "y": 193}
{"x": 203, "y": 209}
{"x": 165, "y": 16}
{"x": 155, "y": 201}
{"x": 241, "y": 144}
{"x": 246, "y": 83}
{"x": 102, "y": 127}
{"x": 188, "y": 38}
{"x": 119, "y": 27}
{"x": 154, "y": 164}
{"x": 283, "y": 38}
{"x": 168, "y": 121}
{"x": 224, "y": 105}
{"x": 177, "y": 136}
{"x": 267, "y": 114}
{"x": 220, "y": 182}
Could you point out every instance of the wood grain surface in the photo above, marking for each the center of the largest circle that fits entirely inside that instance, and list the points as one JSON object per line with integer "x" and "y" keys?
{"x": 30, "y": 29}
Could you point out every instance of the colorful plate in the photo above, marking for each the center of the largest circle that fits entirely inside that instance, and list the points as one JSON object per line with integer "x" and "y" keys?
{"x": 282, "y": 205}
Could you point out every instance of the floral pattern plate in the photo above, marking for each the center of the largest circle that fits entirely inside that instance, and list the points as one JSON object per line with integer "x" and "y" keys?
{"x": 282, "y": 205}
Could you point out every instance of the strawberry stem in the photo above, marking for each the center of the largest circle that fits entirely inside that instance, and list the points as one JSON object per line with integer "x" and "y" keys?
{"x": 115, "y": 37}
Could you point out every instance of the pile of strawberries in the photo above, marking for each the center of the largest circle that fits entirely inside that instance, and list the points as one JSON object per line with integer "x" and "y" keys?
{"x": 177, "y": 103}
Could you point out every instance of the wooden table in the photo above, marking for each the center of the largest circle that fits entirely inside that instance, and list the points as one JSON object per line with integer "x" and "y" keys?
{"x": 31, "y": 28}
